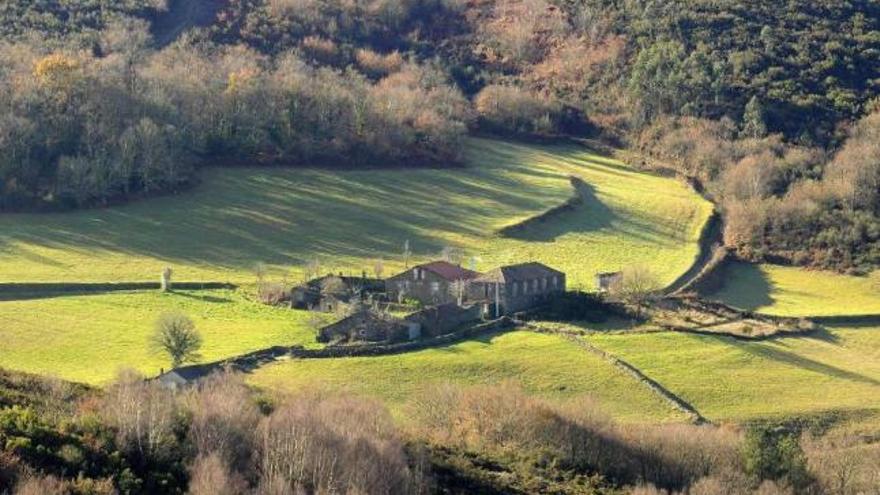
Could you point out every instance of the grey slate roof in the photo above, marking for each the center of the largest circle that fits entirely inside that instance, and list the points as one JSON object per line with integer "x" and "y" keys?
{"x": 515, "y": 273}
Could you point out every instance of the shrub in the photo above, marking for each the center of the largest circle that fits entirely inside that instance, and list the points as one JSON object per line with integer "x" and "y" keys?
{"x": 332, "y": 445}
{"x": 511, "y": 110}
{"x": 272, "y": 293}
{"x": 143, "y": 415}
{"x": 576, "y": 436}
{"x": 209, "y": 475}
{"x": 376, "y": 65}
{"x": 843, "y": 463}
{"x": 224, "y": 419}
{"x": 773, "y": 453}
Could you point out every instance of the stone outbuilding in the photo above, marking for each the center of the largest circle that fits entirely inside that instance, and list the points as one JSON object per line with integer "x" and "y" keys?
{"x": 314, "y": 294}
{"x": 365, "y": 326}
{"x": 429, "y": 283}
{"x": 606, "y": 280}
{"x": 516, "y": 288}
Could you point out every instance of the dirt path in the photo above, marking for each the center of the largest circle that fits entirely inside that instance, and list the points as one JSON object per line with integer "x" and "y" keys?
{"x": 181, "y": 16}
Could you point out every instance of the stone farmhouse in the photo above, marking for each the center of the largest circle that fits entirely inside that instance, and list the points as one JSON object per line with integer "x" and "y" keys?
{"x": 516, "y": 288}
{"x": 451, "y": 297}
{"x": 429, "y": 283}
{"x": 509, "y": 289}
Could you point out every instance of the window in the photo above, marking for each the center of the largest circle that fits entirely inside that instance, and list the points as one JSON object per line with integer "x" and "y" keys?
{"x": 555, "y": 282}
{"x": 435, "y": 287}
{"x": 535, "y": 285}
{"x": 543, "y": 284}
{"x": 416, "y": 273}
{"x": 515, "y": 287}
{"x": 525, "y": 287}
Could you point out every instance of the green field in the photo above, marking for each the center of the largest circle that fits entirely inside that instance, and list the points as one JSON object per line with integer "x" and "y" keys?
{"x": 88, "y": 338}
{"x": 544, "y": 365}
{"x": 238, "y": 217}
{"x": 732, "y": 380}
{"x": 792, "y": 291}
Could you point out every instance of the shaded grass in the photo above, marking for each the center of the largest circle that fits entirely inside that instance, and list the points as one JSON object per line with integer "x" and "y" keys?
{"x": 349, "y": 218}
{"x": 88, "y": 338}
{"x": 733, "y": 380}
{"x": 544, "y": 365}
{"x": 792, "y": 291}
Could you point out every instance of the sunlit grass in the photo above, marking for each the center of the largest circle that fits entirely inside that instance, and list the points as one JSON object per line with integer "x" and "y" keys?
{"x": 284, "y": 217}
{"x": 546, "y": 366}
{"x": 89, "y": 338}
{"x": 732, "y": 380}
{"x": 793, "y": 291}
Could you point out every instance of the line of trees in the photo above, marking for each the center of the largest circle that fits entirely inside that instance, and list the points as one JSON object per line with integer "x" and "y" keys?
{"x": 78, "y": 128}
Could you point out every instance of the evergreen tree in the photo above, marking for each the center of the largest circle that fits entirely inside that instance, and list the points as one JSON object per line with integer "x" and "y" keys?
{"x": 753, "y": 124}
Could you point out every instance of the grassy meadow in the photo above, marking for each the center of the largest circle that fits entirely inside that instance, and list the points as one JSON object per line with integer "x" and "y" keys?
{"x": 285, "y": 217}
{"x": 793, "y": 291}
{"x": 733, "y": 380}
{"x": 544, "y": 365}
{"x": 88, "y": 338}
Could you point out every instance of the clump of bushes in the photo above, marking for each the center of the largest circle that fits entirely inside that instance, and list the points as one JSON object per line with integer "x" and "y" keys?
{"x": 138, "y": 437}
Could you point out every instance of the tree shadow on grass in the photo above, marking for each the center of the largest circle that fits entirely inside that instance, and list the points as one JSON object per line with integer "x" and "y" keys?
{"x": 208, "y": 299}
{"x": 773, "y": 353}
{"x": 455, "y": 347}
{"x": 822, "y": 334}
{"x": 584, "y": 212}
{"x": 746, "y": 287}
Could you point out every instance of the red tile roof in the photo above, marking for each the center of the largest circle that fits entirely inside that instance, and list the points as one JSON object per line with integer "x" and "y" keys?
{"x": 448, "y": 271}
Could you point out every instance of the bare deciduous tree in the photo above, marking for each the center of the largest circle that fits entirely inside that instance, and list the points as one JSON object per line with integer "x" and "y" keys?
{"x": 452, "y": 255}
{"x": 210, "y": 475}
{"x": 407, "y": 253}
{"x": 636, "y": 286}
{"x": 224, "y": 419}
{"x": 312, "y": 270}
{"x": 142, "y": 413}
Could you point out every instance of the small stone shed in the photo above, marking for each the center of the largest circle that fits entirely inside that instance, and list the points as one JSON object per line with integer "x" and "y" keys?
{"x": 185, "y": 375}
{"x": 606, "y": 280}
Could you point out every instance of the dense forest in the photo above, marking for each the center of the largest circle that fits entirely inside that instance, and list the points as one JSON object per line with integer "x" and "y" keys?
{"x": 773, "y": 109}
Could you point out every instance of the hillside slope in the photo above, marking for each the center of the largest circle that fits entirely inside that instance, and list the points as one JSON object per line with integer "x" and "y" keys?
{"x": 349, "y": 219}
